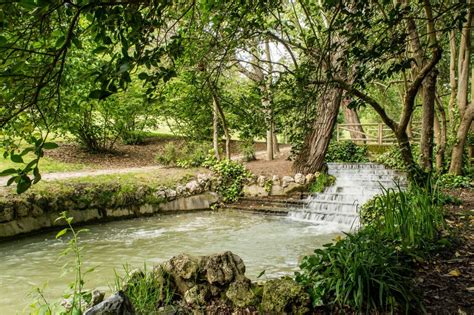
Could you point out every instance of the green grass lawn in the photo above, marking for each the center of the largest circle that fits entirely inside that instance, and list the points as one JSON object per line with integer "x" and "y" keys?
{"x": 46, "y": 165}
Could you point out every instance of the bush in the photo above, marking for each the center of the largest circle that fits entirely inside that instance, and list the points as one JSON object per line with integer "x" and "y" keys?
{"x": 231, "y": 176}
{"x": 191, "y": 154}
{"x": 451, "y": 181}
{"x": 362, "y": 271}
{"x": 346, "y": 151}
{"x": 247, "y": 149}
{"x": 393, "y": 158}
{"x": 321, "y": 182}
{"x": 133, "y": 137}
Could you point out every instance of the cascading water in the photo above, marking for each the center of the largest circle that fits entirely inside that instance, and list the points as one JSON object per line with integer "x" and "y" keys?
{"x": 355, "y": 184}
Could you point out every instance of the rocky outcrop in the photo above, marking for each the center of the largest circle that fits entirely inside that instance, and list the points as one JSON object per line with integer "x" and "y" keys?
{"x": 217, "y": 284}
{"x": 117, "y": 304}
{"x": 100, "y": 202}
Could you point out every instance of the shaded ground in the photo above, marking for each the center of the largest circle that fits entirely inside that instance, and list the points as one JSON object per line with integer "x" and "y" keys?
{"x": 447, "y": 281}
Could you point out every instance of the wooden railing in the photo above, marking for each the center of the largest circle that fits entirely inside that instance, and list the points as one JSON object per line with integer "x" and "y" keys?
{"x": 376, "y": 133}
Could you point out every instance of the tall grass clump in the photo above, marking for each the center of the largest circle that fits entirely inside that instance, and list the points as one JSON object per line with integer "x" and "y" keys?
{"x": 410, "y": 217}
{"x": 146, "y": 289}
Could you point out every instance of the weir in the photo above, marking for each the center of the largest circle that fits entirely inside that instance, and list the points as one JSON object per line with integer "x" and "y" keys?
{"x": 355, "y": 184}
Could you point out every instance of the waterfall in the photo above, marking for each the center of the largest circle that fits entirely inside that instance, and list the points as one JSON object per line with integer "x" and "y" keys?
{"x": 355, "y": 184}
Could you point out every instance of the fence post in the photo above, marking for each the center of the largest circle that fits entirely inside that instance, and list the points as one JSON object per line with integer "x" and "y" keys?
{"x": 380, "y": 133}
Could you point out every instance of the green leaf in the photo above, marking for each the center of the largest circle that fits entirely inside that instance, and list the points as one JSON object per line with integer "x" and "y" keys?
{"x": 3, "y": 41}
{"x": 99, "y": 94}
{"x": 16, "y": 158}
{"x": 60, "y": 41}
{"x": 100, "y": 49}
{"x": 61, "y": 233}
{"x": 12, "y": 179}
{"x": 77, "y": 42}
{"x": 143, "y": 76}
{"x": 9, "y": 171}
{"x": 26, "y": 151}
{"x": 23, "y": 184}
{"x": 50, "y": 145}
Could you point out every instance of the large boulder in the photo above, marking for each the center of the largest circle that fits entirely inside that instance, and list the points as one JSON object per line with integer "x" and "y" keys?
{"x": 284, "y": 296}
{"x": 184, "y": 271}
{"x": 193, "y": 187}
{"x": 300, "y": 178}
{"x": 222, "y": 269}
{"x": 240, "y": 293}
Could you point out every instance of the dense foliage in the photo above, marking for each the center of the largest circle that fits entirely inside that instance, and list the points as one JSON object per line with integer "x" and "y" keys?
{"x": 232, "y": 176}
{"x": 346, "y": 151}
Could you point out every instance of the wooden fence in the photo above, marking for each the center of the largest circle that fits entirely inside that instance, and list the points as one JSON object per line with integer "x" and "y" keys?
{"x": 377, "y": 133}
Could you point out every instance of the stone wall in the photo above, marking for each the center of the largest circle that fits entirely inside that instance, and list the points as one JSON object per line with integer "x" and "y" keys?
{"x": 277, "y": 186}
{"x": 98, "y": 203}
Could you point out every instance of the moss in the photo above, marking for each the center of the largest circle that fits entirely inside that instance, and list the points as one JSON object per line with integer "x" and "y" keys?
{"x": 321, "y": 181}
{"x": 284, "y": 296}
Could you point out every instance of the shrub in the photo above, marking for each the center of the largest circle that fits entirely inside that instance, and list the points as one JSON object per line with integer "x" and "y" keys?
{"x": 451, "y": 181}
{"x": 191, "y": 154}
{"x": 231, "y": 176}
{"x": 134, "y": 137}
{"x": 362, "y": 271}
{"x": 247, "y": 149}
{"x": 393, "y": 157}
{"x": 346, "y": 151}
{"x": 321, "y": 182}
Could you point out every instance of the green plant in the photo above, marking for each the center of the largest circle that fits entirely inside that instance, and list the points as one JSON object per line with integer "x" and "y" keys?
{"x": 247, "y": 149}
{"x": 393, "y": 157}
{"x": 412, "y": 217}
{"x": 346, "y": 151}
{"x": 133, "y": 137}
{"x": 362, "y": 271}
{"x": 322, "y": 181}
{"x": 231, "y": 176}
{"x": 451, "y": 181}
{"x": 146, "y": 289}
{"x": 78, "y": 298}
{"x": 191, "y": 154}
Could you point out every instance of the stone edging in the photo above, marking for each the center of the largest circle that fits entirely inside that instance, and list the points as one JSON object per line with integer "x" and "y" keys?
{"x": 99, "y": 203}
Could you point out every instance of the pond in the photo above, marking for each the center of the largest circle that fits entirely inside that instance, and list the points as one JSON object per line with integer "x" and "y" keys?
{"x": 271, "y": 243}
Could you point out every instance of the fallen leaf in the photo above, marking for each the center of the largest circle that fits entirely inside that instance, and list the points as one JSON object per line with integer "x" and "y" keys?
{"x": 455, "y": 272}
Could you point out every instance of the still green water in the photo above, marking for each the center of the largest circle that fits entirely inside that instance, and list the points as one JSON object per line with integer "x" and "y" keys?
{"x": 270, "y": 243}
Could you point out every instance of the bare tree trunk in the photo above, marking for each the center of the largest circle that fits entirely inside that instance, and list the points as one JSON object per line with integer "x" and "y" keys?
{"x": 351, "y": 117}
{"x": 426, "y": 142}
{"x": 267, "y": 104}
{"x": 458, "y": 148}
{"x": 441, "y": 130}
{"x": 452, "y": 79}
{"x": 215, "y": 130}
{"x": 217, "y": 104}
{"x": 311, "y": 157}
{"x": 276, "y": 146}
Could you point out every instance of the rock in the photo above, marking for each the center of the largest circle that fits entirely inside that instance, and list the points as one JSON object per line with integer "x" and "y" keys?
{"x": 97, "y": 297}
{"x": 240, "y": 293}
{"x": 197, "y": 295}
{"x": 204, "y": 180}
{"x": 117, "y": 304}
{"x": 252, "y": 179}
{"x": 300, "y": 178}
{"x": 22, "y": 209}
{"x": 284, "y": 296}
{"x": 261, "y": 181}
{"x": 309, "y": 178}
{"x": 161, "y": 194}
{"x": 180, "y": 190}
{"x": 286, "y": 180}
{"x": 6, "y": 214}
{"x": 222, "y": 269}
{"x": 276, "y": 180}
{"x": 193, "y": 187}
{"x": 184, "y": 270}
{"x": 171, "y": 194}
{"x": 36, "y": 211}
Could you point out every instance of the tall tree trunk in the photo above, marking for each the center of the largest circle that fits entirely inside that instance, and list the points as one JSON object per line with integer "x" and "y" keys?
{"x": 452, "y": 80}
{"x": 215, "y": 130}
{"x": 217, "y": 104}
{"x": 267, "y": 103}
{"x": 458, "y": 148}
{"x": 426, "y": 142}
{"x": 311, "y": 157}
{"x": 441, "y": 130}
{"x": 276, "y": 146}
{"x": 352, "y": 117}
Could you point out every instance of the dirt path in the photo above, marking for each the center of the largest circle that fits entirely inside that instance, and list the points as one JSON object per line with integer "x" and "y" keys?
{"x": 109, "y": 171}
